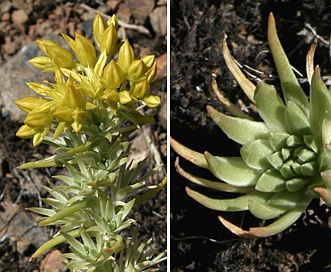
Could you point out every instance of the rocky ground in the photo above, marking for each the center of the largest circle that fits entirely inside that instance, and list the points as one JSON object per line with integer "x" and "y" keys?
{"x": 198, "y": 241}
{"x": 21, "y": 23}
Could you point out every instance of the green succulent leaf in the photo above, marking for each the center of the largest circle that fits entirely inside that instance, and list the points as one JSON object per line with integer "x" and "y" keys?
{"x": 270, "y": 181}
{"x": 283, "y": 222}
{"x": 320, "y": 102}
{"x": 263, "y": 210}
{"x": 273, "y": 114}
{"x": 247, "y": 86}
{"x": 230, "y": 205}
{"x": 232, "y": 170}
{"x": 296, "y": 120}
{"x": 326, "y": 132}
{"x": 255, "y": 154}
{"x": 295, "y": 184}
{"x": 277, "y": 140}
{"x": 276, "y": 160}
{"x": 285, "y": 199}
{"x": 189, "y": 154}
{"x": 290, "y": 85}
{"x": 238, "y": 129}
{"x": 217, "y": 185}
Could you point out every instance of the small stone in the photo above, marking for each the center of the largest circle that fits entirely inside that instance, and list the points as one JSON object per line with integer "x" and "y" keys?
{"x": 52, "y": 261}
{"x": 140, "y": 10}
{"x": 113, "y": 4}
{"x": 161, "y": 66}
{"x": 19, "y": 17}
{"x": 5, "y": 16}
{"x": 5, "y": 6}
{"x": 158, "y": 20}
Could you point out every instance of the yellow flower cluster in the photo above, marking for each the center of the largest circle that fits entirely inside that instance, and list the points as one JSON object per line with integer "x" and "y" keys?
{"x": 83, "y": 81}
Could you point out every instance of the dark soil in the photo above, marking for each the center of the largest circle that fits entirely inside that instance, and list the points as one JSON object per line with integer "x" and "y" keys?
{"x": 198, "y": 240}
{"x": 46, "y": 17}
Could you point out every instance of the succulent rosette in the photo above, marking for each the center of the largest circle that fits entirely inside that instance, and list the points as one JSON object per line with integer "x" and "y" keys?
{"x": 285, "y": 157}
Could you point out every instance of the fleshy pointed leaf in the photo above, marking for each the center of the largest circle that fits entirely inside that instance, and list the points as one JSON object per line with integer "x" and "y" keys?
{"x": 232, "y": 170}
{"x": 188, "y": 154}
{"x": 296, "y": 120}
{"x": 255, "y": 154}
{"x": 263, "y": 210}
{"x": 326, "y": 132}
{"x": 295, "y": 184}
{"x": 228, "y": 105}
{"x": 285, "y": 199}
{"x": 271, "y": 107}
{"x": 320, "y": 102}
{"x": 217, "y": 185}
{"x": 231, "y": 205}
{"x": 277, "y": 140}
{"x": 235, "y": 229}
{"x": 238, "y": 129}
{"x": 290, "y": 85}
{"x": 283, "y": 222}
{"x": 66, "y": 211}
{"x": 247, "y": 86}
{"x": 270, "y": 181}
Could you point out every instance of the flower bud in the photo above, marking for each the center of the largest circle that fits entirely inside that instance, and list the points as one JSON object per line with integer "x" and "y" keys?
{"x": 98, "y": 28}
{"x": 125, "y": 56}
{"x": 111, "y": 97}
{"x": 37, "y": 119}
{"x": 109, "y": 40}
{"x": 113, "y": 21}
{"x": 43, "y": 62}
{"x": 152, "y": 101}
{"x": 151, "y": 73}
{"x": 138, "y": 89}
{"x": 30, "y": 103}
{"x": 63, "y": 114}
{"x": 25, "y": 132}
{"x": 125, "y": 97}
{"x": 149, "y": 60}
{"x": 59, "y": 55}
{"x": 112, "y": 76}
{"x": 44, "y": 43}
{"x": 39, "y": 88}
{"x": 70, "y": 41}
{"x": 73, "y": 98}
{"x": 84, "y": 50}
{"x": 136, "y": 70}
{"x": 39, "y": 136}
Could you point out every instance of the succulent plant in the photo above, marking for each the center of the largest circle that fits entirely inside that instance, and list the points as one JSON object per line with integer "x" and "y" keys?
{"x": 285, "y": 157}
{"x": 87, "y": 116}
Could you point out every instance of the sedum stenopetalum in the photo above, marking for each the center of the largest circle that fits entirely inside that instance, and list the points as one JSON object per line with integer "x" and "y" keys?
{"x": 97, "y": 100}
{"x": 285, "y": 158}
